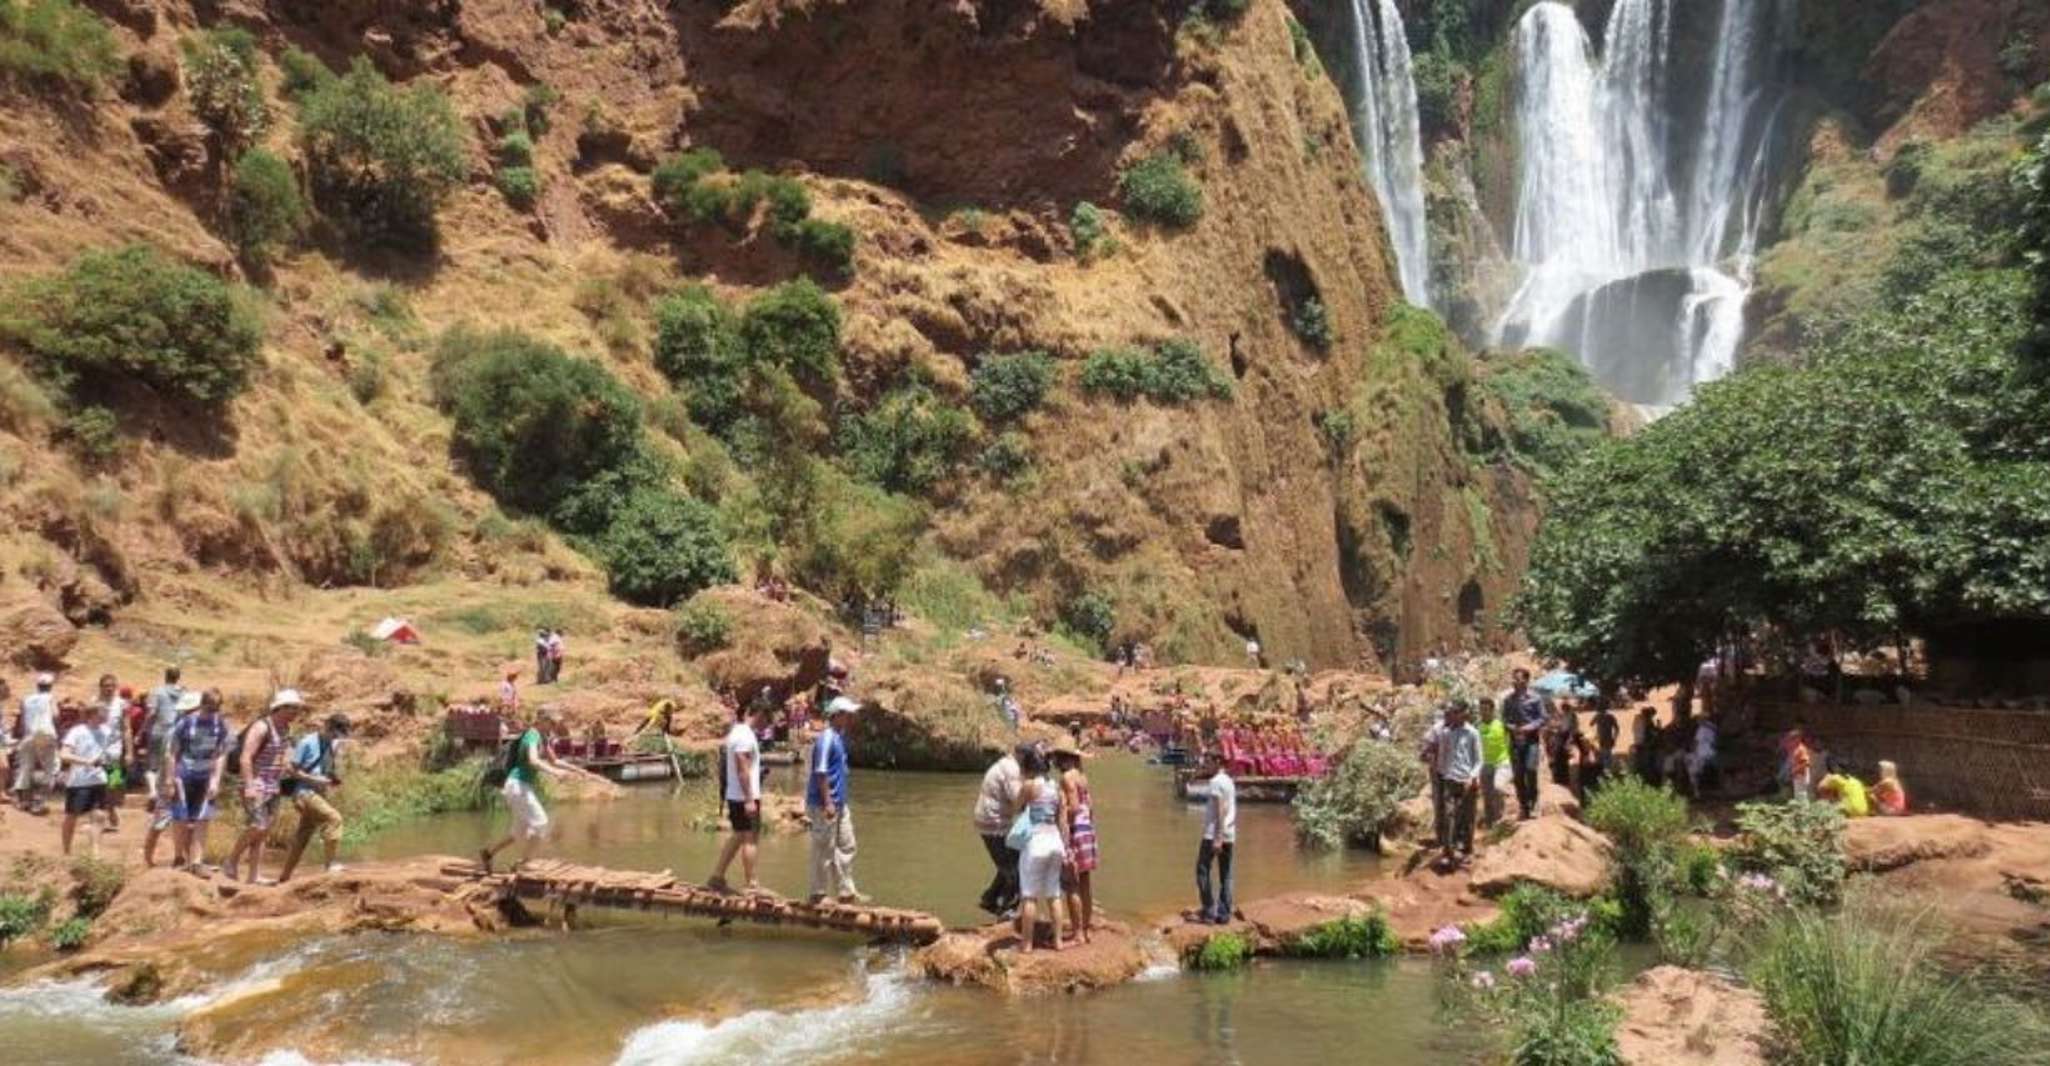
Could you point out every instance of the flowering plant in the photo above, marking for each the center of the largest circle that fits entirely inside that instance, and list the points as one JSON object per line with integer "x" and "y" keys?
{"x": 1549, "y": 1000}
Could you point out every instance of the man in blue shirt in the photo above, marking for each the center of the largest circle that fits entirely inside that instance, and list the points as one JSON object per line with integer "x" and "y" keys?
{"x": 1523, "y": 711}
{"x": 825, "y": 802}
{"x": 310, "y": 772}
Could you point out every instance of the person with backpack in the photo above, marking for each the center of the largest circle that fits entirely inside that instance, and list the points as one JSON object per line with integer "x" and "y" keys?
{"x": 259, "y": 757}
{"x": 308, "y": 776}
{"x": 197, "y": 756}
{"x": 518, "y": 776}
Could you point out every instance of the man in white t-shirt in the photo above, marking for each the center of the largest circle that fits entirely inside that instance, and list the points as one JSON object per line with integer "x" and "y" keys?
{"x": 35, "y": 761}
{"x": 1220, "y": 832}
{"x": 740, "y": 756}
{"x": 89, "y": 749}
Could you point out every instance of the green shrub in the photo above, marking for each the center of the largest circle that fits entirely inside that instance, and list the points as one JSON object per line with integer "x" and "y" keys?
{"x": 521, "y": 186}
{"x": 1223, "y": 951}
{"x": 134, "y": 314}
{"x": 1312, "y": 323}
{"x": 795, "y": 326}
{"x": 1338, "y": 427}
{"x": 1556, "y": 411}
{"x": 703, "y": 625}
{"x": 534, "y": 105}
{"x": 94, "y": 433}
{"x": 221, "y": 80}
{"x": 1159, "y": 189}
{"x": 698, "y": 348}
{"x": 1362, "y": 792}
{"x": 531, "y": 423}
{"x": 1090, "y": 617}
{"x": 1004, "y": 387}
{"x": 303, "y": 72}
{"x": 662, "y": 546}
{"x": 1174, "y": 373}
{"x": 55, "y": 43}
{"x": 1800, "y": 844}
{"x": 788, "y": 203}
{"x": 94, "y": 884}
{"x": 1088, "y": 228}
{"x": 1864, "y": 986}
{"x": 1364, "y": 937}
{"x": 71, "y": 933}
{"x": 516, "y": 149}
{"x": 1007, "y": 457}
{"x": 1645, "y": 826}
{"x": 22, "y": 914}
{"x": 369, "y": 374}
{"x": 1701, "y": 868}
{"x": 265, "y": 210}
{"x": 1527, "y": 911}
{"x": 827, "y": 244}
{"x": 677, "y": 175}
{"x": 380, "y": 158}
{"x": 908, "y": 442}
{"x": 1437, "y": 90}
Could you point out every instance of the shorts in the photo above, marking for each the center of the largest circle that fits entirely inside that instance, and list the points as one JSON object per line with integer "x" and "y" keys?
{"x": 1039, "y": 866}
{"x": 84, "y": 799}
{"x": 529, "y": 819}
{"x": 259, "y": 813}
{"x": 738, "y": 817}
{"x": 196, "y": 805}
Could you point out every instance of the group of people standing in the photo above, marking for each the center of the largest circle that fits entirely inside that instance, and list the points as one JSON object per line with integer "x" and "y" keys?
{"x": 177, "y": 746}
{"x": 1037, "y": 822}
{"x": 547, "y": 655}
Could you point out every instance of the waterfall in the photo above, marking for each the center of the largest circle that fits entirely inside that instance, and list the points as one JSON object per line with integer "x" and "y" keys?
{"x": 1384, "y": 111}
{"x": 1637, "y": 210}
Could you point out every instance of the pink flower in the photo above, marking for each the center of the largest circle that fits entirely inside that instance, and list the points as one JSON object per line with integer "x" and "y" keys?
{"x": 1521, "y": 966}
{"x": 1447, "y": 939}
{"x": 1540, "y": 945}
{"x": 1484, "y": 980}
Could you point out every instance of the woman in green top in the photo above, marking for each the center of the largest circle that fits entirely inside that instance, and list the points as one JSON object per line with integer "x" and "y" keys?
{"x": 521, "y": 791}
{"x": 1494, "y": 756}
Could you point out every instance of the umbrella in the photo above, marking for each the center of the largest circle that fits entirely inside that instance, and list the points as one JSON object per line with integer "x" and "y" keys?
{"x": 1564, "y": 683}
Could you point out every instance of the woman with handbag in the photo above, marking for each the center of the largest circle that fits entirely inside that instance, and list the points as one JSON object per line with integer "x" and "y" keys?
{"x": 1040, "y": 837}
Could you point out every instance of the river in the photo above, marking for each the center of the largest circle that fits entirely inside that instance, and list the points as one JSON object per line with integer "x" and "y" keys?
{"x": 636, "y": 990}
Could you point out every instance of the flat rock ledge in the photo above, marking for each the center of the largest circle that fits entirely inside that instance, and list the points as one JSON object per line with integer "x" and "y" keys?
{"x": 989, "y": 957}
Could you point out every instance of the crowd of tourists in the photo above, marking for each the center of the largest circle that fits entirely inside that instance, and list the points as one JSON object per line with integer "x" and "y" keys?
{"x": 181, "y": 751}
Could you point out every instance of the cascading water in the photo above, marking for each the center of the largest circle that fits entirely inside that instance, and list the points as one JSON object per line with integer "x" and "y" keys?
{"x": 1637, "y": 211}
{"x": 1384, "y": 111}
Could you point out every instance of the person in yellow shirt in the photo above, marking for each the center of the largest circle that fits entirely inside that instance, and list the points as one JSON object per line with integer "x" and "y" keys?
{"x": 1846, "y": 790}
{"x": 1494, "y": 756}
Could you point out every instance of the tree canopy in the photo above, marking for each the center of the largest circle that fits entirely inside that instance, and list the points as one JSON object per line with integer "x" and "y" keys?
{"x": 1898, "y": 480}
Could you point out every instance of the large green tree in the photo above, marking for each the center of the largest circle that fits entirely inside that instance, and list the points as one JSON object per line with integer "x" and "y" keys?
{"x": 1899, "y": 480}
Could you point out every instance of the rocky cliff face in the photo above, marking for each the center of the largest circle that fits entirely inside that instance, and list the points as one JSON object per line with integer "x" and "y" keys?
{"x": 1337, "y": 507}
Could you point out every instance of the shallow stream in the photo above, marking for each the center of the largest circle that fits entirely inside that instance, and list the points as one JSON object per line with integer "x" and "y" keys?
{"x": 636, "y": 990}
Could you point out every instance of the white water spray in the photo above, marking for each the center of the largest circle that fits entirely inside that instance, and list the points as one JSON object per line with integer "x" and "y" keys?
{"x": 1637, "y": 241}
{"x": 1384, "y": 111}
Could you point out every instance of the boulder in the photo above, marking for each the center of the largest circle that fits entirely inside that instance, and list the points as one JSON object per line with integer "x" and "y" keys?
{"x": 989, "y": 957}
{"x": 1676, "y": 1017}
{"x": 36, "y": 635}
{"x": 777, "y": 645}
{"x": 1876, "y": 845}
{"x": 1550, "y": 850}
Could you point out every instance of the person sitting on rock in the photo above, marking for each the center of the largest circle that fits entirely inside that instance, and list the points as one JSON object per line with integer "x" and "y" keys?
{"x": 1844, "y": 789}
{"x": 1889, "y": 796}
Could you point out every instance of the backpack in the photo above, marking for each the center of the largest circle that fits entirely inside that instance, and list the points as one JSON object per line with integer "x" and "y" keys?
{"x": 508, "y": 759}
{"x": 234, "y": 767}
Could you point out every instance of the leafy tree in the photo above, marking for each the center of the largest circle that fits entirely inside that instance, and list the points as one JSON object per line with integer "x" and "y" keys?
{"x": 1091, "y": 617}
{"x": 265, "y": 210}
{"x": 2032, "y": 181}
{"x": 1004, "y": 387}
{"x": 663, "y": 547}
{"x": 533, "y": 424}
{"x": 698, "y": 348}
{"x": 221, "y": 78}
{"x": 795, "y": 327}
{"x": 134, "y": 314}
{"x": 55, "y": 43}
{"x": 381, "y": 158}
{"x": 1159, "y": 189}
{"x": 1899, "y": 481}
{"x": 908, "y": 442}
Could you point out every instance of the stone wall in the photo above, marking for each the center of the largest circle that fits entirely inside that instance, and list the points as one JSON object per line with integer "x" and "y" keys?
{"x": 1991, "y": 763}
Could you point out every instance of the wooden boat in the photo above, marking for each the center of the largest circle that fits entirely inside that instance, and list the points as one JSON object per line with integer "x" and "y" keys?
{"x": 628, "y": 767}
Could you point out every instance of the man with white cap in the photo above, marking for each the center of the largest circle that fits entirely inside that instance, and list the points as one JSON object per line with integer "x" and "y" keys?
{"x": 262, "y": 759}
{"x": 35, "y": 761}
{"x": 825, "y": 801}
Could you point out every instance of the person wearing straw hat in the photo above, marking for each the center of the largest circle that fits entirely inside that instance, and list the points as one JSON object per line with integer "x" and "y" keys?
{"x": 262, "y": 768}
{"x": 825, "y": 802}
{"x": 1078, "y": 877}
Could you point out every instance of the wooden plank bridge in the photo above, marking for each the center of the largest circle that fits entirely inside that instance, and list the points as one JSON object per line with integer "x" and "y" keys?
{"x": 569, "y": 886}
